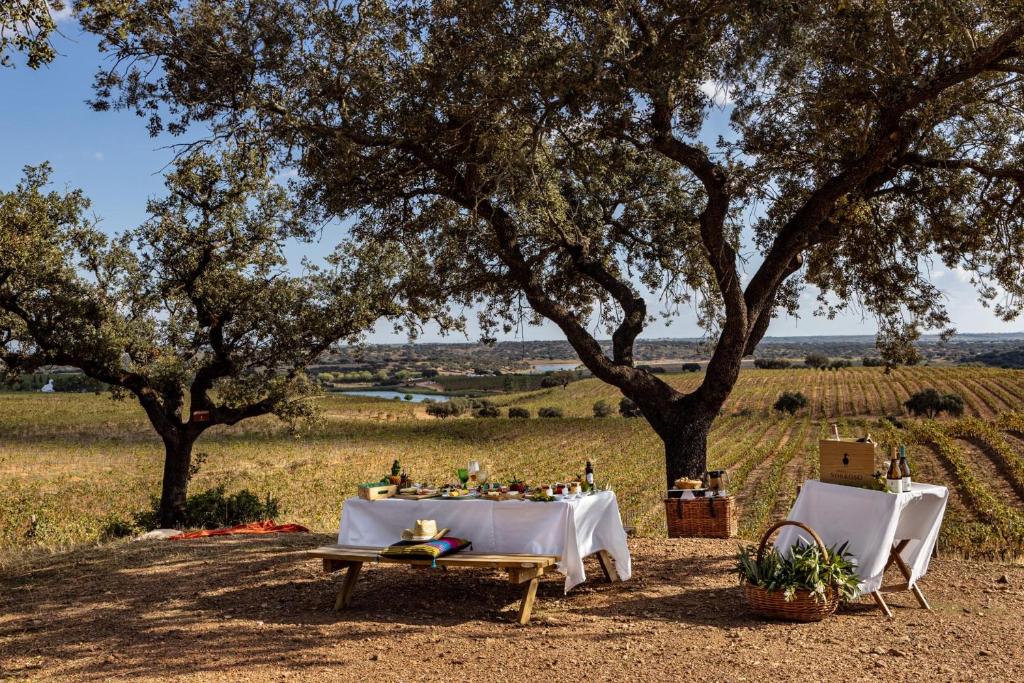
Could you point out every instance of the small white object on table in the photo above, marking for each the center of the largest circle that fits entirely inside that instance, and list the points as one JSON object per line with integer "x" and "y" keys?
{"x": 875, "y": 523}
{"x": 572, "y": 528}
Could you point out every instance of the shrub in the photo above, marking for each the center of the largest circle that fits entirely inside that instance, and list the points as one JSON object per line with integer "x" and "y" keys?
{"x": 407, "y": 397}
{"x": 627, "y": 408}
{"x": 115, "y": 527}
{"x": 486, "y": 409}
{"x": 839, "y": 363}
{"x": 653, "y": 369}
{"x": 816, "y": 360}
{"x": 603, "y": 409}
{"x": 690, "y": 367}
{"x": 771, "y": 363}
{"x": 930, "y": 403}
{"x": 77, "y": 382}
{"x": 549, "y": 411}
{"x": 557, "y": 379}
{"x": 213, "y": 508}
{"x": 790, "y": 402}
{"x": 872, "y": 362}
{"x": 450, "y": 408}
{"x": 518, "y": 412}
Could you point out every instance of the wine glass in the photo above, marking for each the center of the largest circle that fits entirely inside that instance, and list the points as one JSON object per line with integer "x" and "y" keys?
{"x": 463, "y": 475}
{"x": 482, "y": 476}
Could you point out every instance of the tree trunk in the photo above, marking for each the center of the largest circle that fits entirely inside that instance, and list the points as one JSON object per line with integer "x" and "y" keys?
{"x": 177, "y": 461}
{"x": 686, "y": 447}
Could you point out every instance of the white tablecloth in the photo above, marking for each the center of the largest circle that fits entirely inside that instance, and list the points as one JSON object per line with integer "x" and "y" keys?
{"x": 571, "y": 529}
{"x": 872, "y": 521}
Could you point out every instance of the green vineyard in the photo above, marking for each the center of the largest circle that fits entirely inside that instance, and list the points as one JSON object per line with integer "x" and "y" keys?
{"x": 79, "y": 464}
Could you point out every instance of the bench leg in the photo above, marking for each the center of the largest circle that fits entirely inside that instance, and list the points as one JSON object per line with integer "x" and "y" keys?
{"x": 526, "y": 606}
{"x": 607, "y": 566}
{"x": 345, "y": 590}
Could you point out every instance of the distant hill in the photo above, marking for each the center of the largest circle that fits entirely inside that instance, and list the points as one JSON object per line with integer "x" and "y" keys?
{"x": 1011, "y": 358}
{"x": 990, "y": 349}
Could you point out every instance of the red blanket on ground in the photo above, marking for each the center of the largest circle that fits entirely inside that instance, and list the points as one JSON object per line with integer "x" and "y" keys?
{"x": 267, "y": 526}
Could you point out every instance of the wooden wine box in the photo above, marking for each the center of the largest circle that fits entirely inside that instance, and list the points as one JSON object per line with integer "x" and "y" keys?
{"x": 847, "y": 462}
{"x": 377, "y": 492}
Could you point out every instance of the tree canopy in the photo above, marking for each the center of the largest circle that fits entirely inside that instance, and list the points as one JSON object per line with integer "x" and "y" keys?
{"x": 25, "y": 26}
{"x": 562, "y": 155}
{"x": 193, "y": 313}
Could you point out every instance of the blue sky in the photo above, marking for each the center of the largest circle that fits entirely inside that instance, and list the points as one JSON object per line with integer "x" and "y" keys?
{"x": 44, "y": 117}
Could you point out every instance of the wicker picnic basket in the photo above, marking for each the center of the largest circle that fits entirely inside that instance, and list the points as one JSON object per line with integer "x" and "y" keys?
{"x": 803, "y": 606}
{"x": 708, "y": 517}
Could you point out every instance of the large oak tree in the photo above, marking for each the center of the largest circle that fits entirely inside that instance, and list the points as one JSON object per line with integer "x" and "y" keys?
{"x": 194, "y": 313}
{"x": 561, "y": 154}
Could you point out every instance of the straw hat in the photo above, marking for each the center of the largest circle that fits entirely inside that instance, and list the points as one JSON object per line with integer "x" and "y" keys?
{"x": 424, "y": 530}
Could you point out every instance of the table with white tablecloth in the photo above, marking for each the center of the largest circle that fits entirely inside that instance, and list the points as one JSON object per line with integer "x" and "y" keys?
{"x": 875, "y": 523}
{"x": 572, "y": 528}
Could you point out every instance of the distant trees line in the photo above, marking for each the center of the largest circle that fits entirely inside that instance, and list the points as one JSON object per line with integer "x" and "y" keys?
{"x": 818, "y": 361}
{"x": 62, "y": 381}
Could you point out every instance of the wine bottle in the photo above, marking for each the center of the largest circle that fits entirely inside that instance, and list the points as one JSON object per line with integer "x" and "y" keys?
{"x": 589, "y": 473}
{"x": 894, "y": 477}
{"x": 905, "y": 469}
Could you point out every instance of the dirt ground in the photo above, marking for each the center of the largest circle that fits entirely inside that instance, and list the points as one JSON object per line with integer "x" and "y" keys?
{"x": 257, "y": 609}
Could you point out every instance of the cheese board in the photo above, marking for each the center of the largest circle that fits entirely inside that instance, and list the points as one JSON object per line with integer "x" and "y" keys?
{"x": 417, "y": 496}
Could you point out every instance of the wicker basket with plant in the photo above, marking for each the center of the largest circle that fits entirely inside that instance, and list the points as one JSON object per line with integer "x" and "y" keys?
{"x": 807, "y": 583}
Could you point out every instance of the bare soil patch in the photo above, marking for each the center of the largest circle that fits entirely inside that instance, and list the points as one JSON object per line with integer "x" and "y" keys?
{"x": 257, "y": 609}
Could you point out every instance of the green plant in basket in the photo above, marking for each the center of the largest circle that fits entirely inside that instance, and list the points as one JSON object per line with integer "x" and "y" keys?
{"x": 804, "y": 568}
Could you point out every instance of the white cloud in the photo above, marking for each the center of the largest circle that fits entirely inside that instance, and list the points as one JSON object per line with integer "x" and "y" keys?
{"x": 720, "y": 93}
{"x": 962, "y": 274}
{"x": 98, "y": 156}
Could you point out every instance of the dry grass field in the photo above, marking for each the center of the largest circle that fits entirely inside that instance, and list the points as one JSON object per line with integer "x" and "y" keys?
{"x": 79, "y": 462}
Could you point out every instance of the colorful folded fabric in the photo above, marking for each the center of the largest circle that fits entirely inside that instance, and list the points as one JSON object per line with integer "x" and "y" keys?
{"x": 430, "y": 550}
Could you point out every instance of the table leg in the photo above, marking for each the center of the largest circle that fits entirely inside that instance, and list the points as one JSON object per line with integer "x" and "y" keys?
{"x": 905, "y": 570}
{"x": 526, "y": 606}
{"x": 607, "y": 566}
{"x": 880, "y": 601}
{"x": 345, "y": 591}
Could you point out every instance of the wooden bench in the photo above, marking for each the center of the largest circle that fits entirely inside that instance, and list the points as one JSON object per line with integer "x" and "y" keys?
{"x": 521, "y": 568}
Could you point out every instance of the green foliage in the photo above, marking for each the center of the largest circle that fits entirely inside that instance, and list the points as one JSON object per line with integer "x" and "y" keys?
{"x": 816, "y": 361}
{"x": 558, "y": 379}
{"x": 930, "y": 403}
{"x": 214, "y": 508}
{"x": 25, "y": 26}
{"x": 772, "y": 363}
{"x": 628, "y": 408}
{"x": 519, "y": 413}
{"x": 485, "y": 408}
{"x": 790, "y": 402}
{"x": 803, "y": 567}
{"x": 78, "y": 383}
{"x": 688, "y": 367}
{"x": 453, "y": 407}
{"x": 550, "y": 411}
{"x": 603, "y": 408}
{"x": 872, "y": 362}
